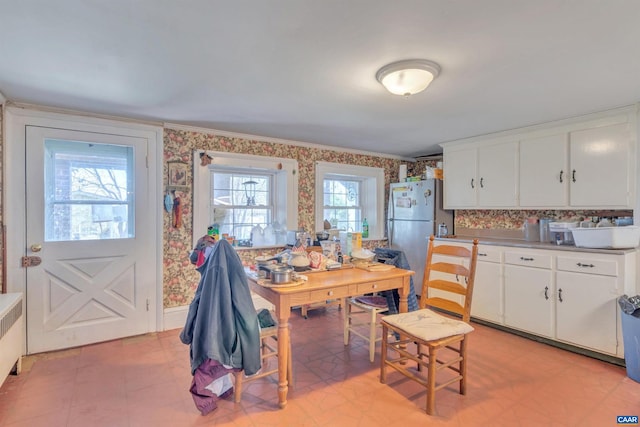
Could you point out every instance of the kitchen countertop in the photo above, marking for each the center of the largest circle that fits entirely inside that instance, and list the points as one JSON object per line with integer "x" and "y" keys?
{"x": 532, "y": 245}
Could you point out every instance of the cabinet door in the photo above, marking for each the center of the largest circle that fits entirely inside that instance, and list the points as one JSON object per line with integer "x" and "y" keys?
{"x": 600, "y": 166}
{"x": 543, "y": 171}
{"x": 497, "y": 173}
{"x": 460, "y": 180}
{"x": 586, "y": 311}
{"x": 528, "y": 299}
{"x": 486, "y": 303}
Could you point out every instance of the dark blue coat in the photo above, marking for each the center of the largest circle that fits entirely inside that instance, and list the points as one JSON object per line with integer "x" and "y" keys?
{"x": 222, "y": 323}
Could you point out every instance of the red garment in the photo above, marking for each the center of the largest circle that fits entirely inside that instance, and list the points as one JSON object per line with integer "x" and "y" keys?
{"x": 207, "y": 372}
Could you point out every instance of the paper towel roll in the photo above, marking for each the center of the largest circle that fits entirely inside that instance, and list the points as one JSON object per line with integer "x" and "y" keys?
{"x": 402, "y": 173}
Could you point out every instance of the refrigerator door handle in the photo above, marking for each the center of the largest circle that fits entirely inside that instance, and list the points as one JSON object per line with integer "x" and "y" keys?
{"x": 392, "y": 205}
{"x": 390, "y": 231}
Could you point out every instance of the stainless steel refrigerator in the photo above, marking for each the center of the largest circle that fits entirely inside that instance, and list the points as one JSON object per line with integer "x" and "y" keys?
{"x": 414, "y": 212}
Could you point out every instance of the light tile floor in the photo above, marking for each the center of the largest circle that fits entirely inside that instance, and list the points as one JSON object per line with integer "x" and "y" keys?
{"x": 144, "y": 381}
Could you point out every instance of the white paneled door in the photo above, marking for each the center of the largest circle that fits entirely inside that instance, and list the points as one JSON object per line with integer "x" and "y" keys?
{"x": 89, "y": 245}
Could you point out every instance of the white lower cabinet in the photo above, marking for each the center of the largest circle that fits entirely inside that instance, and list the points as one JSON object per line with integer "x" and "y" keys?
{"x": 588, "y": 286}
{"x": 487, "y": 299}
{"x": 528, "y": 299}
{"x": 565, "y": 296}
{"x": 586, "y": 311}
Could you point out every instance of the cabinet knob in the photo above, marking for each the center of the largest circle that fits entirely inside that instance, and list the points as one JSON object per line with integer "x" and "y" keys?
{"x": 526, "y": 259}
{"x": 330, "y": 293}
{"x": 546, "y": 292}
{"x": 479, "y": 254}
{"x": 573, "y": 175}
{"x": 561, "y": 172}
{"x": 472, "y": 183}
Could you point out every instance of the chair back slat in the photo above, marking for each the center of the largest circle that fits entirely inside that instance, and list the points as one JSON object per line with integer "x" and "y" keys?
{"x": 449, "y": 268}
{"x": 448, "y": 286}
{"x": 456, "y": 251}
{"x": 445, "y": 304}
{"x": 452, "y": 296}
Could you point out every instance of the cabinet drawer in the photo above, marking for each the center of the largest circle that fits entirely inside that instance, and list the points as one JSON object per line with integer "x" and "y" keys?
{"x": 489, "y": 254}
{"x": 605, "y": 267}
{"x": 528, "y": 259}
{"x": 321, "y": 294}
{"x": 366, "y": 288}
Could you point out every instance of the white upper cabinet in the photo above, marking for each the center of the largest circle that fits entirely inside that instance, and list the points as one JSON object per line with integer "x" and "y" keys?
{"x": 585, "y": 163}
{"x": 600, "y": 167}
{"x": 497, "y": 173}
{"x": 543, "y": 171}
{"x": 482, "y": 177}
{"x": 460, "y": 185}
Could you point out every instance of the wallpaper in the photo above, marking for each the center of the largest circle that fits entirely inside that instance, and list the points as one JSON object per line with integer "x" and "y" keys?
{"x": 515, "y": 219}
{"x": 180, "y": 278}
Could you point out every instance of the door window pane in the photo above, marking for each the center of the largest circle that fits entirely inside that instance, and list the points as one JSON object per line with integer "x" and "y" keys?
{"x": 88, "y": 191}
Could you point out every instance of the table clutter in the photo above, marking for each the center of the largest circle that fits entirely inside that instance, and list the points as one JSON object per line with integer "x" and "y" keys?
{"x": 283, "y": 267}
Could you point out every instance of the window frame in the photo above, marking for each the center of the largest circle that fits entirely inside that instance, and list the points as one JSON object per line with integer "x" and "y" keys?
{"x": 371, "y": 193}
{"x": 53, "y": 147}
{"x": 284, "y": 186}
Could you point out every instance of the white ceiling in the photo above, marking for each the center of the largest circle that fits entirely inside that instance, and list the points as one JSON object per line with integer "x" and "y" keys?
{"x": 304, "y": 70}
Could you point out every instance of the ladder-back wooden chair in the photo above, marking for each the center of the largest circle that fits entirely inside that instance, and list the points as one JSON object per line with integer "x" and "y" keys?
{"x": 426, "y": 336}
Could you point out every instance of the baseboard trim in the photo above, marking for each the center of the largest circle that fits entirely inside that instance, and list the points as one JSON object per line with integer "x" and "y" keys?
{"x": 175, "y": 317}
{"x": 568, "y": 347}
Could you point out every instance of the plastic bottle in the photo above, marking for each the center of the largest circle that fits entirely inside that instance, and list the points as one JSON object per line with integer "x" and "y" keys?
{"x": 269, "y": 236}
{"x": 365, "y": 228}
{"x": 532, "y": 230}
{"x": 214, "y": 231}
{"x": 257, "y": 236}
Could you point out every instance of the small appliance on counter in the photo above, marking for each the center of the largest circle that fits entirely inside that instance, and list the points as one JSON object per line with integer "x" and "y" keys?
{"x": 560, "y": 232}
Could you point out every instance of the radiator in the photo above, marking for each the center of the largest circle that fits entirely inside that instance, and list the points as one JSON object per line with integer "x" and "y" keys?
{"x": 11, "y": 326}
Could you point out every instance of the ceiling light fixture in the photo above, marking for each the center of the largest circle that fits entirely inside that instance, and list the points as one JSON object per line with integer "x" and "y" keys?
{"x": 408, "y": 77}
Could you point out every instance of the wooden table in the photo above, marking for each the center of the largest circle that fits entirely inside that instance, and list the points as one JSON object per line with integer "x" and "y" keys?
{"x": 323, "y": 286}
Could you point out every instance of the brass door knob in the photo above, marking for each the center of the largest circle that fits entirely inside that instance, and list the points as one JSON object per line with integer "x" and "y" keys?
{"x": 36, "y": 247}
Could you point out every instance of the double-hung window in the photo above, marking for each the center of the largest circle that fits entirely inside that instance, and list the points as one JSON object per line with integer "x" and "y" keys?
{"x": 241, "y": 200}
{"x": 342, "y": 205}
{"x": 347, "y": 194}
{"x": 240, "y": 192}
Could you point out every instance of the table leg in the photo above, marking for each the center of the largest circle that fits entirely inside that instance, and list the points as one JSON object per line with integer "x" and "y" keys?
{"x": 283, "y": 355}
{"x": 403, "y": 293}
